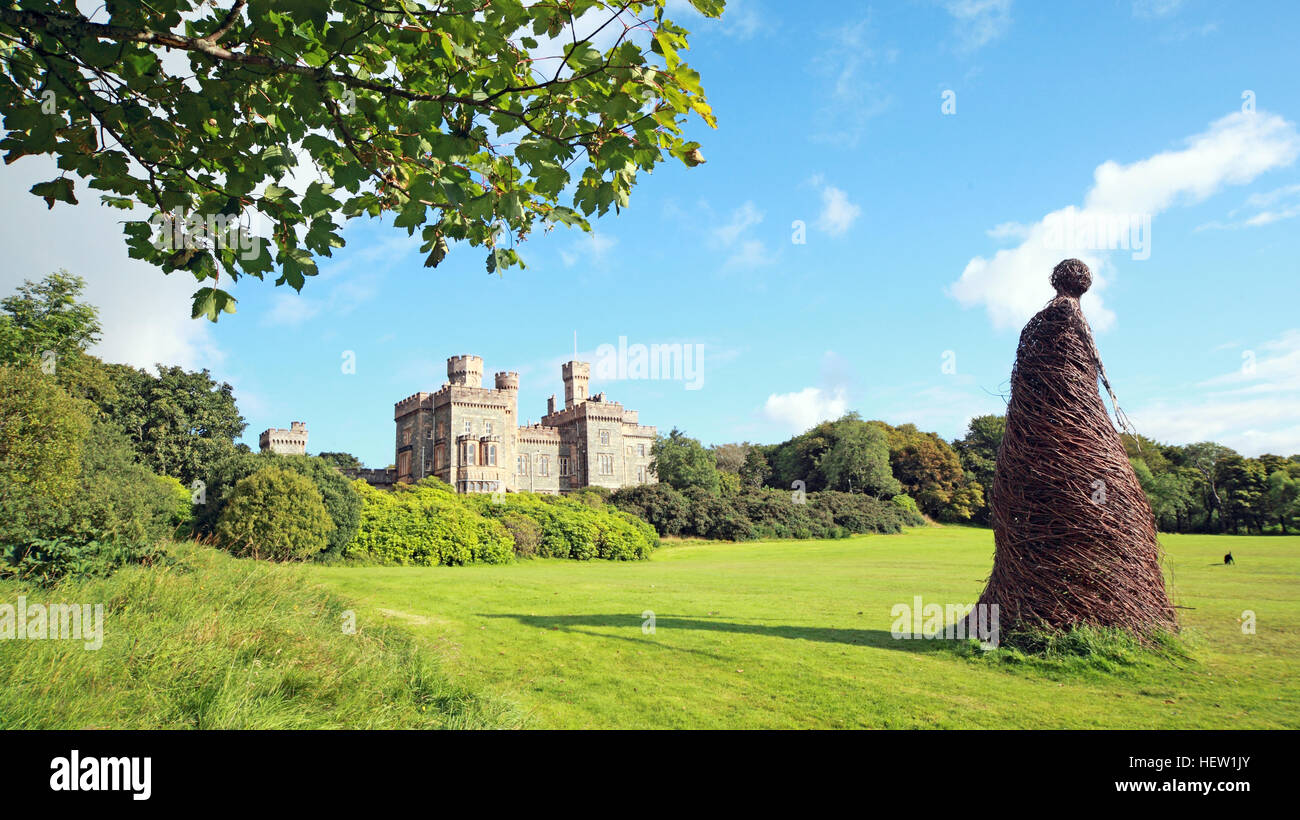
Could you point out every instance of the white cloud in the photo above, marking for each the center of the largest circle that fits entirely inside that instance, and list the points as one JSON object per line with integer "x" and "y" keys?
{"x": 743, "y": 251}
{"x": 1252, "y": 409}
{"x": 1234, "y": 150}
{"x": 742, "y": 219}
{"x": 1155, "y": 8}
{"x": 1269, "y": 207}
{"x": 799, "y": 411}
{"x": 145, "y": 315}
{"x": 1008, "y": 230}
{"x": 978, "y": 22}
{"x": 853, "y": 97}
{"x": 591, "y": 248}
{"x": 291, "y": 309}
{"x": 838, "y": 213}
{"x": 741, "y": 19}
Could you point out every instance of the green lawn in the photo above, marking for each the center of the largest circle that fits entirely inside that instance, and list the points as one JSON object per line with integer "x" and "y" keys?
{"x": 796, "y": 634}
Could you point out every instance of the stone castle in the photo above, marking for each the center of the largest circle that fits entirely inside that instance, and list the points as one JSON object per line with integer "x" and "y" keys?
{"x": 291, "y": 442}
{"x": 469, "y": 436}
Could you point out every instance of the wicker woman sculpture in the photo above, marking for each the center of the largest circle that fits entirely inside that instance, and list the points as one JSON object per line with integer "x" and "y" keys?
{"x": 1076, "y": 540}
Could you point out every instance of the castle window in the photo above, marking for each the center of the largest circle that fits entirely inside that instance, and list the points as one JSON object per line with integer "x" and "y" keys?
{"x": 564, "y": 466}
{"x": 492, "y": 455}
{"x": 604, "y": 437}
{"x": 469, "y": 425}
{"x": 403, "y": 465}
{"x": 442, "y": 429}
{"x": 439, "y": 456}
{"x": 640, "y": 475}
{"x": 428, "y": 433}
{"x": 640, "y": 450}
{"x": 543, "y": 466}
{"x": 487, "y": 428}
{"x": 471, "y": 455}
{"x": 521, "y": 465}
{"x": 606, "y": 465}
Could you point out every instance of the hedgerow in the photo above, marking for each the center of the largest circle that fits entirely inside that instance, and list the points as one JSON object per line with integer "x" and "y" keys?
{"x": 425, "y": 526}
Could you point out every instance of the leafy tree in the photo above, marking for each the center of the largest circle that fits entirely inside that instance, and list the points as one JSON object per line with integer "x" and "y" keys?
{"x": 978, "y": 453}
{"x": 681, "y": 462}
{"x": 465, "y": 120}
{"x": 1242, "y": 485}
{"x": 47, "y": 322}
{"x": 1169, "y": 493}
{"x": 1204, "y": 457}
{"x": 42, "y": 434}
{"x": 47, "y": 315}
{"x": 754, "y": 472}
{"x": 182, "y": 423}
{"x": 274, "y": 514}
{"x": 1282, "y": 502}
{"x": 859, "y": 462}
{"x": 343, "y": 461}
{"x": 928, "y": 468}
{"x": 729, "y": 458}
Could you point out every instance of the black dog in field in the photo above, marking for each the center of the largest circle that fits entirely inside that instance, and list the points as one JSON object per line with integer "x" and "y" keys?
{"x": 1227, "y": 559}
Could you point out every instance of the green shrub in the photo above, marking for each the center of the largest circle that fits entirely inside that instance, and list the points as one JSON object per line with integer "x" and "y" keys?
{"x": 526, "y": 532}
{"x": 341, "y": 501}
{"x": 662, "y": 507}
{"x": 84, "y": 510}
{"x": 749, "y": 513}
{"x": 275, "y": 514}
{"x": 42, "y": 431}
{"x": 572, "y": 528}
{"x": 183, "y": 512}
{"x": 118, "y": 499}
{"x": 594, "y": 497}
{"x": 426, "y": 526}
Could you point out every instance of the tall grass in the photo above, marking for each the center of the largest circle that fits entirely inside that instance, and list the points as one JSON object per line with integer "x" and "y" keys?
{"x": 213, "y": 642}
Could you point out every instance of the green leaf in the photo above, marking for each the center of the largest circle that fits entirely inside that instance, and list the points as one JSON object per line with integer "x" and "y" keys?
{"x": 211, "y": 303}
{"x": 55, "y": 190}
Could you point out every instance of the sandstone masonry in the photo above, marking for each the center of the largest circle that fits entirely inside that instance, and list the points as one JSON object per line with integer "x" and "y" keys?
{"x": 469, "y": 436}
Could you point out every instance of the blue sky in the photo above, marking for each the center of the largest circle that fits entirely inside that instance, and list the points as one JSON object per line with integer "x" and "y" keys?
{"x": 924, "y": 249}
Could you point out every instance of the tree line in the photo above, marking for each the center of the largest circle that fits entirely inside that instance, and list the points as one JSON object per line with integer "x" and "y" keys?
{"x": 1203, "y": 487}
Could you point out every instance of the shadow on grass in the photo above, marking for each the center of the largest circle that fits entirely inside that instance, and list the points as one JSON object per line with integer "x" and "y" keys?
{"x": 874, "y": 638}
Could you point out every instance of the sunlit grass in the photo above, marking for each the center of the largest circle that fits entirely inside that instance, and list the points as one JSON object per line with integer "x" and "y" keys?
{"x": 797, "y": 634}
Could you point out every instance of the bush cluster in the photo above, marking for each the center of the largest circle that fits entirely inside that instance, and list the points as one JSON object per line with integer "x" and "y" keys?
{"x": 73, "y": 499}
{"x": 342, "y": 504}
{"x": 754, "y": 513}
{"x": 427, "y": 524}
{"x": 580, "y": 528}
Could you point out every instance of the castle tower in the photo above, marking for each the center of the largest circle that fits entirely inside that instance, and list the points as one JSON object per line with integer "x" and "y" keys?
{"x": 507, "y": 381}
{"x": 575, "y": 374}
{"x": 284, "y": 442}
{"x": 466, "y": 371}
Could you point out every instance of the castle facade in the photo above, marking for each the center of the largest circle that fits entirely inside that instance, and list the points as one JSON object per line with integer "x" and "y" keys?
{"x": 469, "y": 436}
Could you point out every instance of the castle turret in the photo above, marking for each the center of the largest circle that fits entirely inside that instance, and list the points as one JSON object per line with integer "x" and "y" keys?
{"x": 507, "y": 381}
{"x": 550, "y": 405}
{"x": 466, "y": 371}
{"x": 575, "y": 374}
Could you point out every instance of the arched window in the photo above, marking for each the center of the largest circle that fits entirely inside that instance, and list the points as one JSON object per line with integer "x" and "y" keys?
{"x": 471, "y": 454}
{"x": 544, "y": 466}
{"x": 492, "y": 455}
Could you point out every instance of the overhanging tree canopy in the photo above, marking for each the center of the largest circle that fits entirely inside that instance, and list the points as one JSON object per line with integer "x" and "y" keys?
{"x": 469, "y": 120}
